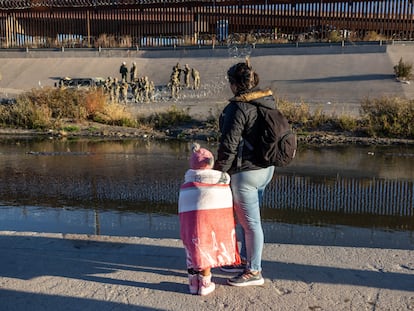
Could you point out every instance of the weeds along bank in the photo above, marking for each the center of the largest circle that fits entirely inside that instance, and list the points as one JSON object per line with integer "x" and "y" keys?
{"x": 88, "y": 112}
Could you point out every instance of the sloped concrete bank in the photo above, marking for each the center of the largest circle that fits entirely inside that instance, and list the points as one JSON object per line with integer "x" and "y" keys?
{"x": 332, "y": 78}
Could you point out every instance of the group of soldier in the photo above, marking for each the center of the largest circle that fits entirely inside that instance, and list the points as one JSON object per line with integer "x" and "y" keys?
{"x": 141, "y": 87}
{"x": 175, "y": 79}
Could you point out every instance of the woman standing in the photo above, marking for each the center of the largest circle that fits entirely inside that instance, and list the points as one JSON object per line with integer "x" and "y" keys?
{"x": 249, "y": 178}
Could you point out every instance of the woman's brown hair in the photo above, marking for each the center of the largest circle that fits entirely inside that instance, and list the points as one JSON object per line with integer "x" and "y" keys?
{"x": 243, "y": 76}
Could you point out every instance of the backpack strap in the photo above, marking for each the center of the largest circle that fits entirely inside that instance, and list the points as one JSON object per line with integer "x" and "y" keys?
{"x": 240, "y": 153}
{"x": 243, "y": 142}
{"x": 246, "y": 142}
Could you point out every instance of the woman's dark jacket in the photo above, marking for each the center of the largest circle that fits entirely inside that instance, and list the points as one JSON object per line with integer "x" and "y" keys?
{"x": 237, "y": 122}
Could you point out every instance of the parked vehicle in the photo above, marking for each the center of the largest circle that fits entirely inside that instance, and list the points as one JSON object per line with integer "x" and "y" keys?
{"x": 67, "y": 82}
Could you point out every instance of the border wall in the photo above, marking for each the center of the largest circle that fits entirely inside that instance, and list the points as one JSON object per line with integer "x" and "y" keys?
{"x": 45, "y": 24}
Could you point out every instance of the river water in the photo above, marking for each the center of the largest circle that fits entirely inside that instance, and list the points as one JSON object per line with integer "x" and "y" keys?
{"x": 130, "y": 188}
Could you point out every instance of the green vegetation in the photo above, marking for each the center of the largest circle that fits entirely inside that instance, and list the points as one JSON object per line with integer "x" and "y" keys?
{"x": 172, "y": 117}
{"x": 380, "y": 117}
{"x": 65, "y": 109}
{"x": 71, "y": 128}
{"x": 389, "y": 117}
{"x": 403, "y": 70}
{"x": 334, "y": 36}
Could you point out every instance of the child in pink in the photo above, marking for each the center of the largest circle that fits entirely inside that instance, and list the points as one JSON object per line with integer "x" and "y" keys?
{"x": 207, "y": 226}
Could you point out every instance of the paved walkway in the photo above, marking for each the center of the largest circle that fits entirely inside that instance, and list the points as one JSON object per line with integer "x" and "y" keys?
{"x": 78, "y": 272}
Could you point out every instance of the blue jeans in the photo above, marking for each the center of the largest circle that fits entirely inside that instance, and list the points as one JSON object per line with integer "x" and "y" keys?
{"x": 247, "y": 188}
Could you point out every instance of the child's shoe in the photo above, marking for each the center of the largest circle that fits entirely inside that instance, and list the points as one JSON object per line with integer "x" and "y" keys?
{"x": 193, "y": 283}
{"x": 205, "y": 286}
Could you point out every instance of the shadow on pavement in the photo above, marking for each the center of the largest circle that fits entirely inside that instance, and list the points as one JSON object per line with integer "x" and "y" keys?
{"x": 334, "y": 275}
{"x": 46, "y": 302}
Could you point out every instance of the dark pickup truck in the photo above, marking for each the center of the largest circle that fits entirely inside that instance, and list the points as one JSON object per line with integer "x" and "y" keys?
{"x": 67, "y": 82}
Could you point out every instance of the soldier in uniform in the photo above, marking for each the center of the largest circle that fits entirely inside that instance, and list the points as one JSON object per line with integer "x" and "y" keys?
{"x": 111, "y": 91}
{"x": 124, "y": 92}
{"x": 151, "y": 90}
{"x": 175, "y": 83}
{"x": 107, "y": 85}
{"x": 139, "y": 90}
{"x": 134, "y": 89}
{"x": 115, "y": 90}
{"x": 177, "y": 71}
{"x": 146, "y": 89}
{"x": 123, "y": 70}
{"x": 187, "y": 73}
{"x": 133, "y": 72}
{"x": 196, "y": 77}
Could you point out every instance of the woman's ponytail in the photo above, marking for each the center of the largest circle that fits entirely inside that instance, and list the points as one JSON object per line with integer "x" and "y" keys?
{"x": 243, "y": 76}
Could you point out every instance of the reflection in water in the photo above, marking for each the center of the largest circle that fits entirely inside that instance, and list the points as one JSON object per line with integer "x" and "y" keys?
{"x": 295, "y": 193}
{"x": 277, "y": 227}
{"x": 342, "y": 194}
{"x": 324, "y": 185}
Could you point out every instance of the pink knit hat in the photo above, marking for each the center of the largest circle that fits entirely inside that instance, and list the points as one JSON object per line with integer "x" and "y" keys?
{"x": 201, "y": 158}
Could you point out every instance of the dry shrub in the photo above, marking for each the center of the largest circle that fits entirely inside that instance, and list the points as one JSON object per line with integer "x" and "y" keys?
{"x": 389, "y": 117}
{"x": 295, "y": 113}
{"x": 125, "y": 41}
{"x": 95, "y": 101}
{"x": 51, "y": 107}
{"x": 320, "y": 120}
{"x": 115, "y": 114}
{"x": 347, "y": 123}
{"x": 63, "y": 103}
{"x": 302, "y": 116}
{"x": 373, "y": 36}
{"x": 173, "y": 116}
{"x": 403, "y": 70}
{"x": 26, "y": 114}
{"x": 105, "y": 41}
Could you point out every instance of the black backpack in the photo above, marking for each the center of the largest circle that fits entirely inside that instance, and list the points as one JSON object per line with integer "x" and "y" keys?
{"x": 277, "y": 143}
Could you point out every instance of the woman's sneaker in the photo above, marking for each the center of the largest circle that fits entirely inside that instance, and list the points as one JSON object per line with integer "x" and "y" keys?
{"x": 234, "y": 268}
{"x": 247, "y": 278}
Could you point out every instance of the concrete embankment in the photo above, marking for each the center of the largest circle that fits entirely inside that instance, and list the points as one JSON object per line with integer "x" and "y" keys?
{"x": 333, "y": 78}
